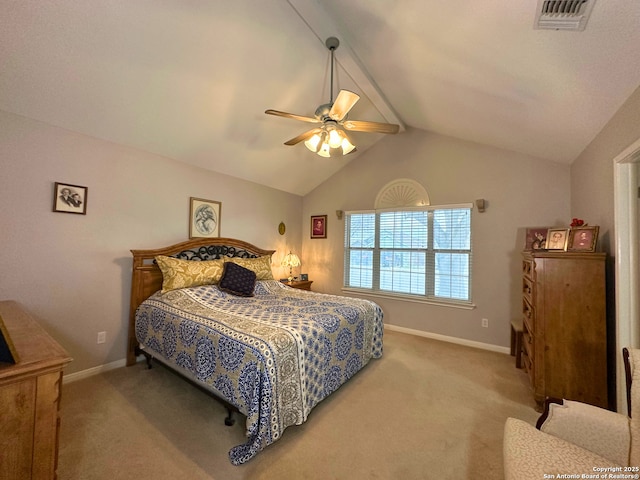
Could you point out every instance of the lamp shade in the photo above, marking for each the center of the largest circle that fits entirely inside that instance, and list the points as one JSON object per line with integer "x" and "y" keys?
{"x": 290, "y": 260}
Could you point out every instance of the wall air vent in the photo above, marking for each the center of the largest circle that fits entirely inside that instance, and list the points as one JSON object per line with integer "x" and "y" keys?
{"x": 563, "y": 14}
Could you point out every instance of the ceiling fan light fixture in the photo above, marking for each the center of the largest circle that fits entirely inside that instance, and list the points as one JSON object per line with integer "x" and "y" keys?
{"x": 330, "y": 140}
{"x": 347, "y": 146}
{"x": 329, "y": 137}
{"x": 335, "y": 138}
{"x": 325, "y": 150}
{"x": 313, "y": 143}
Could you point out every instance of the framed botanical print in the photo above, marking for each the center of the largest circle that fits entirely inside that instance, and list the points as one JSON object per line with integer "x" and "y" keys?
{"x": 69, "y": 198}
{"x": 204, "y": 218}
{"x": 318, "y": 226}
{"x": 583, "y": 239}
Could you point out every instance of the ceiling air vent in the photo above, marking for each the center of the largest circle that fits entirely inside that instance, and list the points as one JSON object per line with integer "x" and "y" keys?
{"x": 563, "y": 14}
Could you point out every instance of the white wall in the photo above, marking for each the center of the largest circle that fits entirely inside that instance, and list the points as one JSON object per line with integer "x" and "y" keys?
{"x": 73, "y": 272}
{"x": 520, "y": 191}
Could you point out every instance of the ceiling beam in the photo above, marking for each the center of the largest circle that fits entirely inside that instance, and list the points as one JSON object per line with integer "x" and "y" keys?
{"x": 323, "y": 27}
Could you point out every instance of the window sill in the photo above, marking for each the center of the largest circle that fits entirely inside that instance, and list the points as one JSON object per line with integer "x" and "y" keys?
{"x": 410, "y": 298}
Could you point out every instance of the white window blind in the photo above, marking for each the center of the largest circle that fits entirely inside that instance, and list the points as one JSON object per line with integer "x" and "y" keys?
{"x": 423, "y": 252}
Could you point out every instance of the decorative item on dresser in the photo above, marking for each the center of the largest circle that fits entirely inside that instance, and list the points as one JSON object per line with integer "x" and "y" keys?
{"x": 565, "y": 326}
{"x": 29, "y": 398}
{"x": 536, "y": 238}
{"x": 583, "y": 239}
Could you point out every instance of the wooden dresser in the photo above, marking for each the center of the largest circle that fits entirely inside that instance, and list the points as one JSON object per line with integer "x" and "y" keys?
{"x": 565, "y": 327}
{"x": 29, "y": 399}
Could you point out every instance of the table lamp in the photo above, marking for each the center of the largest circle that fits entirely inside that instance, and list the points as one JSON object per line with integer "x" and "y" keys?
{"x": 290, "y": 260}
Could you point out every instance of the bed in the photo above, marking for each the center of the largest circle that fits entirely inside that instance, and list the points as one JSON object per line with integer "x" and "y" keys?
{"x": 272, "y": 356}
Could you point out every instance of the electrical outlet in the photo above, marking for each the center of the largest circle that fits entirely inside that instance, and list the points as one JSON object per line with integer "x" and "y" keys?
{"x": 102, "y": 337}
{"x": 485, "y": 322}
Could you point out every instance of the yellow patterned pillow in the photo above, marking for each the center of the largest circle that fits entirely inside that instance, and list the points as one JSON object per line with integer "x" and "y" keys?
{"x": 260, "y": 265}
{"x": 178, "y": 273}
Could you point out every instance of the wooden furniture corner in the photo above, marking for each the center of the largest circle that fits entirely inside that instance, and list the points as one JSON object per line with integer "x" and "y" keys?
{"x": 300, "y": 284}
{"x": 30, "y": 398}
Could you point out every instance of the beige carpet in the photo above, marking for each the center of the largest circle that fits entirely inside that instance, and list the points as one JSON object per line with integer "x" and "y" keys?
{"x": 425, "y": 410}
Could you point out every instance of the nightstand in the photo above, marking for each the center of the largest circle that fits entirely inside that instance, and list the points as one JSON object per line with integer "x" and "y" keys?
{"x": 300, "y": 284}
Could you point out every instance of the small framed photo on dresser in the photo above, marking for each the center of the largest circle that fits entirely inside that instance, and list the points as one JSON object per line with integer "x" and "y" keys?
{"x": 557, "y": 239}
{"x": 583, "y": 239}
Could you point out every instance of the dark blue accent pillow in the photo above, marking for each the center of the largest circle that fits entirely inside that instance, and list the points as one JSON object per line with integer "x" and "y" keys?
{"x": 237, "y": 280}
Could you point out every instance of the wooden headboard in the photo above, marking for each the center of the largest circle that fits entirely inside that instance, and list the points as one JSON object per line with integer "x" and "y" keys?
{"x": 147, "y": 277}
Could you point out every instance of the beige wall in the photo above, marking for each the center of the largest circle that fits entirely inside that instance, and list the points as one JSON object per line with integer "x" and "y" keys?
{"x": 72, "y": 272}
{"x": 592, "y": 185}
{"x": 521, "y": 191}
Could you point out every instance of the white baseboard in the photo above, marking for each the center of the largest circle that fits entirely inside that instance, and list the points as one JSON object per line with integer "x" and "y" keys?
{"x": 72, "y": 377}
{"x": 445, "y": 338}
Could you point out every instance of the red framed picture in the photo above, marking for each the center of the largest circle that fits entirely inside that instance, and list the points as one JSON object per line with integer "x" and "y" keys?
{"x": 318, "y": 226}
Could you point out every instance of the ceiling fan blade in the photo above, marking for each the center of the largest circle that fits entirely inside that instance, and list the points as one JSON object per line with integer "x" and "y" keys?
{"x": 278, "y": 113}
{"x": 344, "y": 102}
{"x": 373, "y": 127}
{"x": 303, "y": 136}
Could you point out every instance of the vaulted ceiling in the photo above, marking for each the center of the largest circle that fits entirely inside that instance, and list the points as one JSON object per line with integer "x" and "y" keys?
{"x": 190, "y": 80}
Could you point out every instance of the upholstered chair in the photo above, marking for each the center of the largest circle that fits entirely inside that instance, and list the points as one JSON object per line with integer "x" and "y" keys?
{"x": 574, "y": 438}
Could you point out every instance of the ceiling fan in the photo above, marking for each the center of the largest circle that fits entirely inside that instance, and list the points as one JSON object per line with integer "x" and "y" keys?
{"x": 330, "y": 136}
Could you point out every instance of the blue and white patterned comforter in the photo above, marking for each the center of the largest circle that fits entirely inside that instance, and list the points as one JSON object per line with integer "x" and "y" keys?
{"x": 274, "y": 356}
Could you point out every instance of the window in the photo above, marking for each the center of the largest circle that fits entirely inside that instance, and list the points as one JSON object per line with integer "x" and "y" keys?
{"x": 422, "y": 252}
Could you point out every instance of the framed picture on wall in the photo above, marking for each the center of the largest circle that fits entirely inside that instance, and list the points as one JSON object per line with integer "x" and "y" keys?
{"x": 557, "y": 239}
{"x": 583, "y": 239}
{"x": 69, "y": 198}
{"x": 204, "y": 218}
{"x": 318, "y": 226}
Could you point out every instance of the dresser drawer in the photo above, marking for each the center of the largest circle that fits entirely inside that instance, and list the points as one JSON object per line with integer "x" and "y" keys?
{"x": 528, "y": 315}
{"x": 527, "y": 288}
{"x": 527, "y": 268}
{"x": 527, "y": 341}
{"x": 528, "y": 365}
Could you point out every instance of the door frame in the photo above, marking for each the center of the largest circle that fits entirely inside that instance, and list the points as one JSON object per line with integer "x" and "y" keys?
{"x": 627, "y": 245}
